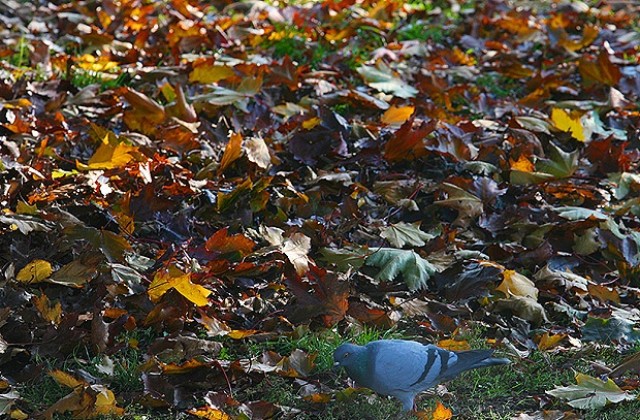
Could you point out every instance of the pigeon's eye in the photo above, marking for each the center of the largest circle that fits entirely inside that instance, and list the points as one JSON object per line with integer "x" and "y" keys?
{"x": 346, "y": 355}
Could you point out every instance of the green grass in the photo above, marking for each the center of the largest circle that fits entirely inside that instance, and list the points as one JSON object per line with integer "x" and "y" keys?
{"x": 485, "y": 394}
{"x": 44, "y": 391}
{"x": 84, "y": 78}
{"x": 420, "y": 30}
{"x": 499, "y": 86}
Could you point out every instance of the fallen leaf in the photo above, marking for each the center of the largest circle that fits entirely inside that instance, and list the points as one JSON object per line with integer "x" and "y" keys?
{"x": 392, "y": 262}
{"x": 35, "y": 272}
{"x": 591, "y": 393}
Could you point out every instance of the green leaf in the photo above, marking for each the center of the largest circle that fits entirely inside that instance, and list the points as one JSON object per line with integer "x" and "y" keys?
{"x": 414, "y": 269}
{"x": 561, "y": 164}
{"x": 591, "y": 393}
{"x": 580, "y": 213}
{"x": 534, "y": 124}
{"x": 626, "y": 183}
{"x": 517, "y": 177}
{"x": 614, "y": 329}
{"x": 344, "y": 258}
{"x": 401, "y": 234}
{"x": 383, "y": 79}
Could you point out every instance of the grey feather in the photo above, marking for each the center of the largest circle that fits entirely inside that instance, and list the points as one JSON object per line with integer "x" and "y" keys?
{"x": 403, "y": 368}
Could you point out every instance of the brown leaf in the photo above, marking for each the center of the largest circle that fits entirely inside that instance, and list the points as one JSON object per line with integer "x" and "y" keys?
{"x": 601, "y": 71}
{"x": 321, "y": 294}
{"x": 406, "y": 143}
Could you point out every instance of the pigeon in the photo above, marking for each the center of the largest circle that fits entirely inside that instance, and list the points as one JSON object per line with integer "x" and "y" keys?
{"x": 403, "y": 368}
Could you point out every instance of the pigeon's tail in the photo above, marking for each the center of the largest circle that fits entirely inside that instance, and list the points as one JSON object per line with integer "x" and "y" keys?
{"x": 473, "y": 359}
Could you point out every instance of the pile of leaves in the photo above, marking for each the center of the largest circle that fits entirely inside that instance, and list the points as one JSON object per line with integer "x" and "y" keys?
{"x": 183, "y": 178}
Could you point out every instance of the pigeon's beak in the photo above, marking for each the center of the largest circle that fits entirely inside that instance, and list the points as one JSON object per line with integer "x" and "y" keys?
{"x": 336, "y": 366}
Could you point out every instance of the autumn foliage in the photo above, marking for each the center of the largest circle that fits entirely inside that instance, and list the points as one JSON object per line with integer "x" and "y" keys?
{"x": 208, "y": 175}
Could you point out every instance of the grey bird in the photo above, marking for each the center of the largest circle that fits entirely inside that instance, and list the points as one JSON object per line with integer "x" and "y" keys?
{"x": 403, "y": 368}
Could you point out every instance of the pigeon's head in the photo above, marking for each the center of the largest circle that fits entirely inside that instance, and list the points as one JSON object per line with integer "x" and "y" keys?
{"x": 347, "y": 355}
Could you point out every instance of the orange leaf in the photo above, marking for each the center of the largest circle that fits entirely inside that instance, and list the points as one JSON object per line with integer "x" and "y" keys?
{"x": 455, "y": 345}
{"x": 547, "y": 341}
{"x": 224, "y": 243}
{"x": 208, "y": 72}
{"x": 240, "y": 334}
{"x": 407, "y": 143}
{"x": 63, "y": 378}
{"x": 51, "y": 313}
{"x": 231, "y": 153}
{"x": 522, "y": 164}
{"x": 178, "y": 368}
{"x": 318, "y": 398}
{"x": 397, "y": 115}
{"x": 209, "y": 413}
{"x": 439, "y": 412}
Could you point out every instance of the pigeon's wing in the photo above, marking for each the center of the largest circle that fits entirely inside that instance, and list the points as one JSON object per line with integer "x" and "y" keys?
{"x": 407, "y": 366}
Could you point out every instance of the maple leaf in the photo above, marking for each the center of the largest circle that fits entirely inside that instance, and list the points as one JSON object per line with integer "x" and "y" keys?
{"x": 322, "y": 294}
{"x": 393, "y": 262}
{"x": 384, "y": 79}
{"x": 173, "y": 278}
{"x": 401, "y": 234}
{"x": 591, "y": 393}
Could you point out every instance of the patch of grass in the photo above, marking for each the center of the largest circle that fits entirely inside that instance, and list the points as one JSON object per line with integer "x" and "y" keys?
{"x": 125, "y": 377}
{"x": 623, "y": 411}
{"x": 21, "y": 56}
{"x": 342, "y": 109}
{"x": 420, "y": 30}
{"x": 504, "y": 391}
{"x": 83, "y": 78}
{"x": 499, "y": 86}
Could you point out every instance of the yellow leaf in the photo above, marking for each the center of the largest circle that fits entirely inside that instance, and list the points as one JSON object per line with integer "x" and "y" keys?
{"x": 51, "y": 313}
{"x": 397, "y": 115}
{"x": 208, "y": 73}
{"x": 173, "y": 278}
{"x": 16, "y": 104}
{"x": 455, "y": 345}
{"x": 319, "y": 398}
{"x": 515, "y": 284}
{"x": 522, "y": 164}
{"x": 106, "y": 403}
{"x": 35, "y": 272}
{"x": 310, "y": 123}
{"x": 240, "y": 334}
{"x": 17, "y": 414}
{"x": 63, "y": 378}
{"x": 109, "y": 156}
{"x": 232, "y": 152}
{"x": 89, "y": 62}
{"x": 547, "y": 341}
{"x": 24, "y": 208}
{"x": 209, "y": 413}
{"x": 604, "y": 293}
{"x": 568, "y": 122}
